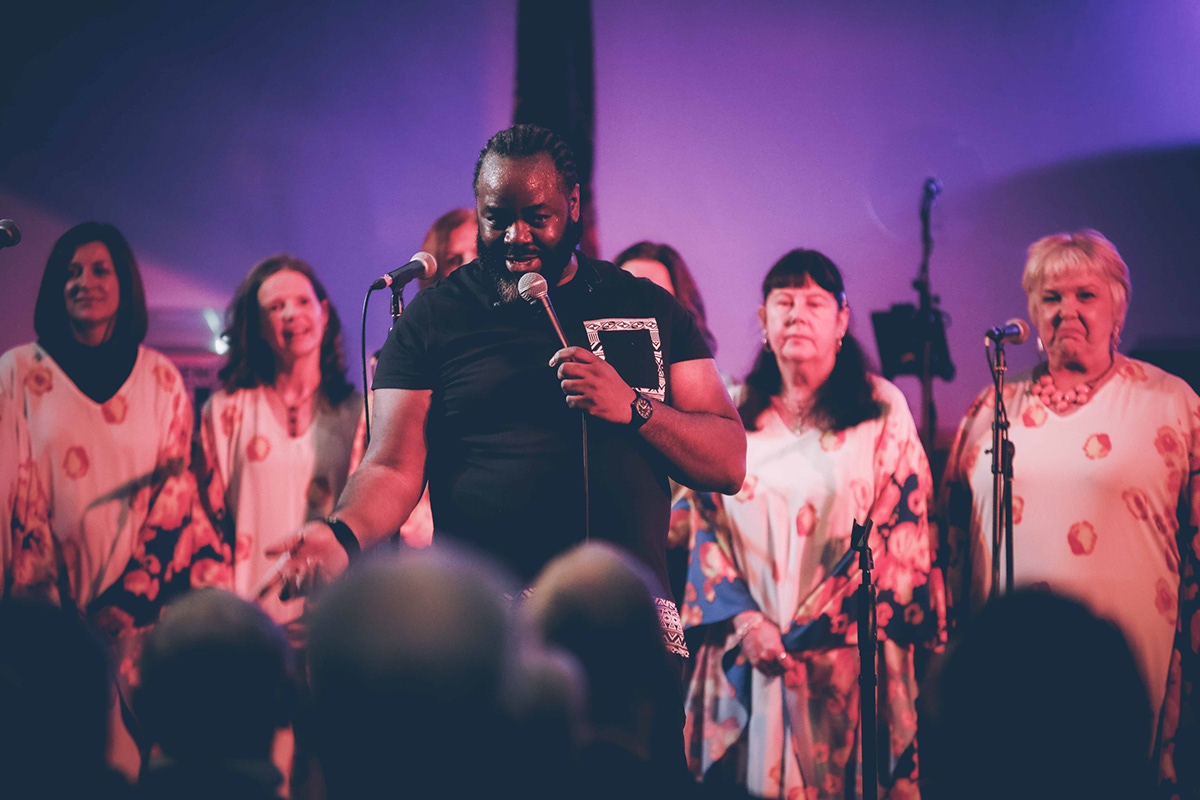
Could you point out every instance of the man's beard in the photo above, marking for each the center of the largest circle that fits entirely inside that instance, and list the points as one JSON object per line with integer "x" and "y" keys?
{"x": 554, "y": 261}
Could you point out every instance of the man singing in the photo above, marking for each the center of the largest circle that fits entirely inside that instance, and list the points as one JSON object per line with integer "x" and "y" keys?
{"x": 475, "y": 394}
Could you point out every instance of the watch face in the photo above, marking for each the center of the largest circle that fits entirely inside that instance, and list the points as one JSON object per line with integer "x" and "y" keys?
{"x": 644, "y": 409}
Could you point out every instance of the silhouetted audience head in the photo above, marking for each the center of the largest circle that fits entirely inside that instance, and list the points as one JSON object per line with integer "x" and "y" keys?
{"x": 216, "y": 679}
{"x": 54, "y": 703}
{"x": 1040, "y": 699}
{"x": 409, "y": 660}
{"x": 549, "y": 705}
{"x": 595, "y": 602}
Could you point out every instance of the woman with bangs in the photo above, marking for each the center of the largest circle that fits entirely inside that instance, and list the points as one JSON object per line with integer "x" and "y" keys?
{"x": 773, "y": 703}
{"x": 103, "y": 515}
{"x": 100, "y": 513}
{"x": 1105, "y": 486}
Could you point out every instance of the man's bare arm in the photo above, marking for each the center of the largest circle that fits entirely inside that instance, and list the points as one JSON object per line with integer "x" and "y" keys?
{"x": 385, "y": 488}
{"x": 699, "y": 431}
{"x": 380, "y": 494}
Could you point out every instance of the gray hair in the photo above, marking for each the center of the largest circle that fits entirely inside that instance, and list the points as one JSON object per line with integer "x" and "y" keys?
{"x": 1085, "y": 251}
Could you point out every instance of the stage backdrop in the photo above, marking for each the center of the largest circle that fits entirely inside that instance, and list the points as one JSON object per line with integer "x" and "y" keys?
{"x": 216, "y": 134}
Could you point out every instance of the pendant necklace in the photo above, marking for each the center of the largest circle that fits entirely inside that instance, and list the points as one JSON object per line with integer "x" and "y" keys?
{"x": 293, "y": 410}
{"x": 794, "y": 415}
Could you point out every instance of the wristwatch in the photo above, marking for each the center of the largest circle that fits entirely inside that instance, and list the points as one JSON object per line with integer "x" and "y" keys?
{"x": 641, "y": 410}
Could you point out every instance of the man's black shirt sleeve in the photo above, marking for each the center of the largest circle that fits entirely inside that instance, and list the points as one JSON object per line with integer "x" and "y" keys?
{"x": 405, "y": 362}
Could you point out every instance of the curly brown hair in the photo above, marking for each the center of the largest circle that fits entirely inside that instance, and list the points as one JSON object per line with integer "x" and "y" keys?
{"x": 251, "y": 361}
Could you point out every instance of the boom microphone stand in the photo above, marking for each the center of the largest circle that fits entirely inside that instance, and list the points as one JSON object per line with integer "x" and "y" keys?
{"x": 1002, "y": 476}
{"x": 422, "y": 265}
{"x": 912, "y": 338}
{"x": 867, "y": 664}
{"x": 927, "y": 315}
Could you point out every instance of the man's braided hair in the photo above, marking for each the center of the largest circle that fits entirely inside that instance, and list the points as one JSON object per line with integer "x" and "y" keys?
{"x": 522, "y": 141}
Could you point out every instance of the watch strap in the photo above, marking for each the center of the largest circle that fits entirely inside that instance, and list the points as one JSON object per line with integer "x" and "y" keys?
{"x": 636, "y": 418}
{"x": 344, "y": 536}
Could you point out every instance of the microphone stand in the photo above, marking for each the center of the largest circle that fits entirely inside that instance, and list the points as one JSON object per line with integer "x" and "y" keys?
{"x": 1002, "y": 452}
{"x": 927, "y": 314}
{"x": 868, "y": 667}
{"x": 397, "y": 310}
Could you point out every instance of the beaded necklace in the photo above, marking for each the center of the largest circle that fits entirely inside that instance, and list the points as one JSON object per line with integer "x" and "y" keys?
{"x": 1061, "y": 401}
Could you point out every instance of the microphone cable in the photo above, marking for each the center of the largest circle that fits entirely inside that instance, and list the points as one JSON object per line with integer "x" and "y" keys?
{"x": 587, "y": 491}
{"x": 534, "y": 290}
{"x": 366, "y": 388}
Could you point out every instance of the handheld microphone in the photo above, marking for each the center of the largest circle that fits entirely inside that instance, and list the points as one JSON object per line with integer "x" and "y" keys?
{"x": 1015, "y": 331}
{"x": 534, "y": 289}
{"x": 10, "y": 234}
{"x": 422, "y": 266}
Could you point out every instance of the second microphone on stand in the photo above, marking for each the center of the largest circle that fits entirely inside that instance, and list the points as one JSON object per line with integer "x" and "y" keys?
{"x": 1015, "y": 331}
{"x": 422, "y": 266}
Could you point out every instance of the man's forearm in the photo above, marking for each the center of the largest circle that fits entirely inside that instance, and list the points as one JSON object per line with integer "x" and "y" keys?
{"x": 377, "y": 500}
{"x": 707, "y": 451}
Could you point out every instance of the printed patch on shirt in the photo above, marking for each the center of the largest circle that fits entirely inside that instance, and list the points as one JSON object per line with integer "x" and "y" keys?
{"x": 633, "y": 347}
{"x": 672, "y": 627}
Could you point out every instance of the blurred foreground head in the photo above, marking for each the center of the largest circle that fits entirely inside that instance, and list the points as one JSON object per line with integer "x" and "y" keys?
{"x": 409, "y": 662}
{"x": 595, "y": 602}
{"x": 54, "y": 703}
{"x": 1040, "y": 699}
{"x": 216, "y": 679}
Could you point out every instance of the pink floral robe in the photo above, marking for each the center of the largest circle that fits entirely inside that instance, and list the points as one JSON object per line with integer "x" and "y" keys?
{"x": 100, "y": 510}
{"x": 1105, "y": 508}
{"x": 781, "y": 546}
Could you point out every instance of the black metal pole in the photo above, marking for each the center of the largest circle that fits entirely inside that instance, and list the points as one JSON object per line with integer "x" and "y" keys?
{"x": 868, "y": 666}
{"x": 925, "y": 315}
{"x": 1009, "y": 450}
{"x": 1001, "y": 475}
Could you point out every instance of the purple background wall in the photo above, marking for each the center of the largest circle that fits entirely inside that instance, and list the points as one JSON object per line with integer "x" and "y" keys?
{"x": 217, "y": 135}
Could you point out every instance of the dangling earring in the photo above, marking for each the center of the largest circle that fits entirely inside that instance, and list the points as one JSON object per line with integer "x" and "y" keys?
{"x": 839, "y": 344}
{"x": 1041, "y": 348}
{"x": 766, "y": 344}
{"x": 1114, "y": 340}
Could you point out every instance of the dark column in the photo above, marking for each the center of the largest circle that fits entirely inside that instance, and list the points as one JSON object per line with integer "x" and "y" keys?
{"x": 556, "y": 85}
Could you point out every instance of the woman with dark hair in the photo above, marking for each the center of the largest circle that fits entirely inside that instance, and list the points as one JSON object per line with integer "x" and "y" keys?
{"x": 451, "y": 242}
{"x": 277, "y": 439}
{"x": 773, "y": 701}
{"x": 661, "y": 264}
{"x": 101, "y": 513}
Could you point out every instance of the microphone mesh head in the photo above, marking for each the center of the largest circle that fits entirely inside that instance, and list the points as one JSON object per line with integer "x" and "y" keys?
{"x": 532, "y": 287}
{"x": 1022, "y": 326}
{"x": 429, "y": 261}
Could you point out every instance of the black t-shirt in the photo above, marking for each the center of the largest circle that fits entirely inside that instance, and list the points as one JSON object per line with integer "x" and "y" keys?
{"x": 504, "y": 450}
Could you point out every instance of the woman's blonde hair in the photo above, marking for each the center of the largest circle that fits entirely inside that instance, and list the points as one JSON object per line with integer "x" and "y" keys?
{"x": 1085, "y": 251}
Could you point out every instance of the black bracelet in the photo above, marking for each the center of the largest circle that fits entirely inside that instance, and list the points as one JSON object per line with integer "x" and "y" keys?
{"x": 344, "y": 536}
